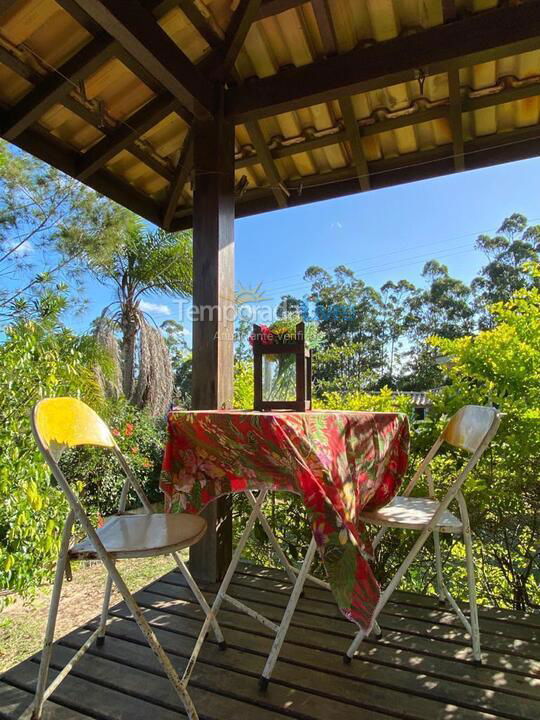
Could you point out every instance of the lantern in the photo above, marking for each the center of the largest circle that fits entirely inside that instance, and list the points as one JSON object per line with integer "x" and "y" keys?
{"x": 282, "y": 370}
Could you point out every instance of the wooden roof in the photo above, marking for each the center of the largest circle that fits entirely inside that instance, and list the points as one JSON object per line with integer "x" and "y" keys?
{"x": 328, "y": 97}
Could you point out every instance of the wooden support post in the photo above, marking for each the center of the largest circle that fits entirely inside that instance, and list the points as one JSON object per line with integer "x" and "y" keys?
{"x": 213, "y": 300}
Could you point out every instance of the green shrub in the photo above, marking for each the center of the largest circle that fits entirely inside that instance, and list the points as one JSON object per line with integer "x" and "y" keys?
{"x": 140, "y": 438}
{"x": 38, "y": 358}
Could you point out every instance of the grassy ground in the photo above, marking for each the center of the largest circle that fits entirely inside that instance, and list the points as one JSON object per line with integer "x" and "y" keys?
{"x": 22, "y": 623}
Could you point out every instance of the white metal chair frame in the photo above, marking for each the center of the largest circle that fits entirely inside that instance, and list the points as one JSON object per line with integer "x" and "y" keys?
{"x": 471, "y": 429}
{"x": 77, "y": 513}
{"x": 455, "y": 433}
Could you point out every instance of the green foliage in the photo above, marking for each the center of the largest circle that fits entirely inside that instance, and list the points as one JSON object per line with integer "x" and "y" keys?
{"x": 98, "y": 473}
{"x": 502, "y": 366}
{"x": 383, "y": 401}
{"x": 49, "y": 223}
{"x": 243, "y": 384}
{"x": 38, "y": 358}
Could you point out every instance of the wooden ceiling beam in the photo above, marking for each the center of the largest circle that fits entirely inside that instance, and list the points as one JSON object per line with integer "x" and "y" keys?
{"x": 92, "y": 117}
{"x": 125, "y": 135}
{"x": 274, "y": 7}
{"x": 55, "y": 86}
{"x": 421, "y": 165}
{"x": 449, "y": 10}
{"x": 456, "y": 122}
{"x": 433, "y": 113}
{"x": 355, "y": 141}
{"x": 134, "y": 27}
{"x": 326, "y": 26}
{"x": 485, "y": 35}
{"x": 5, "y": 5}
{"x": 265, "y": 158}
{"x": 183, "y": 169}
{"x": 54, "y": 153}
{"x": 200, "y": 23}
{"x": 242, "y": 20}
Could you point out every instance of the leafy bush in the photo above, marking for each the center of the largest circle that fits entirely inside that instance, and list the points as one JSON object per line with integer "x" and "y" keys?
{"x": 140, "y": 438}
{"x": 39, "y": 358}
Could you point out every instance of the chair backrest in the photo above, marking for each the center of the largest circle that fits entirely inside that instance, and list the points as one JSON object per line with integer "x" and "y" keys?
{"x": 471, "y": 429}
{"x": 66, "y": 422}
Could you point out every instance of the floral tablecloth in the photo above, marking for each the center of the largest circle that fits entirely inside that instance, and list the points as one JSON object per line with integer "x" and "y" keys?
{"x": 338, "y": 462}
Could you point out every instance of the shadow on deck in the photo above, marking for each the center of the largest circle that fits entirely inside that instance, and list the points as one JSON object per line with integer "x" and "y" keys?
{"x": 421, "y": 668}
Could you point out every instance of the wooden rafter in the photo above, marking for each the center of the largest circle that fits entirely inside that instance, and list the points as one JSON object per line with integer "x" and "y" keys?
{"x": 55, "y": 153}
{"x": 325, "y": 25}
{"x": 239, "y": 26}
{"x": 135, "y": 28}
{"x": 274, "y": 7}
{"x": 477, "y": 38}
{"x": 56, "y": 85}
{"x": 184, "y": 167}
{"x": 265, "y": 158}
{"x": 125, "y": 134}
{"x": 200, "y": 23}
{"x": 456, "y": 123}
{"x": 5, "y": 5}
{"x": 449, "y": 10}
{"x": 480, "y": 152}
{"x": 355, "y": 140}
{"x": 380, "y": 126}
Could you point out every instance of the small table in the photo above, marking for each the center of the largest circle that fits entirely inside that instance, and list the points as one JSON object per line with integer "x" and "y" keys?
{"x": 339, "y": 462}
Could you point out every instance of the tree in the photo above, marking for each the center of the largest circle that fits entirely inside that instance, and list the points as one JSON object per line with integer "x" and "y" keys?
{"x": 443, "y": 308}
{"x": 501, "y": 366}
{"x": 348, "y": 313}
{"x": 505, "y": 273}
{"x": 398, "y": 321}
{"x": 181, "y": 361}
{"x": 49, "y": 223}
{"x": 144, "y": 262}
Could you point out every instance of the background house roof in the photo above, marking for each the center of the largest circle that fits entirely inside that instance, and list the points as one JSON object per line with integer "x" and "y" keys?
{"x": 329, "y": 97}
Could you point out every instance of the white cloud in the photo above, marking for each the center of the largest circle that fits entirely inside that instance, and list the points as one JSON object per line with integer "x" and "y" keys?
{"x": 151, "y": 307}
{"x": 24, "y": 249}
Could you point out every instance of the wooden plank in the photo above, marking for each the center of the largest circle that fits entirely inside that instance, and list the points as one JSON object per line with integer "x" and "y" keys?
{"x": 183, "y": 615}
{"x": 137, "y": 31}
{"x": 84, "y": 696}
{"x": 53, "y": 152}
{"x": 14, "y": 700}
{"x": 125, "y": 134}
{"x": 456, "y": 124}
{"x": 366, "y": 683}
{"x": 185, "y": 166}
{"x": 477, "y": 38}
{"x": 243, "y": 18}
{"x": 325, "y": 25}
{"x": 355, "y": 140}
{"x": 506, "y": 617}
{"x": 18, "y": 66}
{"x": 138, "y": 675}
{"x": 55, "y": 86}
{"x": 519, "y": 675}
{"x": 265, "y": 158}
{"x": 6, "y": 5}
{"x": 274, "y": 7}
{"x": 313, "y": 614}
{"x": 449, "y": 10}
{"x": 213, "y": 289}
{"x": 200, "y": 23}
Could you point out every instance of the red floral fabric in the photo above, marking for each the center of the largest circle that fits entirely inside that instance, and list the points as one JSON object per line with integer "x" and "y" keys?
{"x": 338, "y": 462}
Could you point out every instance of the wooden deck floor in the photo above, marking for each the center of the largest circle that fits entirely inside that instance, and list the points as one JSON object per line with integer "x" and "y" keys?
{"x": 420, "y": 669}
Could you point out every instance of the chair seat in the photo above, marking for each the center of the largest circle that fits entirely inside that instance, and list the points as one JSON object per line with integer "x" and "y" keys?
{"x": 150, "y": 534}
{"x": 412, "y": 513}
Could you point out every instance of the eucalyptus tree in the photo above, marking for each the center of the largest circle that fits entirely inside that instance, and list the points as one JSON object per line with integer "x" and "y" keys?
{"x": 49, "y": 224}
{"x": 143, "y": 263}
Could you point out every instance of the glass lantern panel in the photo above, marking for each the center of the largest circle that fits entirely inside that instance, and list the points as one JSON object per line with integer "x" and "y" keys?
{"x": 279, "y": 377}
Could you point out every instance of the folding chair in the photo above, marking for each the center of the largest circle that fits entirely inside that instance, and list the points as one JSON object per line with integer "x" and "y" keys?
{"x": 471, "y": 429}
{"x": 296, "y": 576}
{"x": 59, "y": 423}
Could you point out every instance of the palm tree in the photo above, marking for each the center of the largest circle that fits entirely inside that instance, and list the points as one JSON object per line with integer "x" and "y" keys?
{"x": 144, "y": 262}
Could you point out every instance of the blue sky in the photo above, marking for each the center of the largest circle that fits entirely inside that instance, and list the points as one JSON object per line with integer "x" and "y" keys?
{"x": 382, "y": 235}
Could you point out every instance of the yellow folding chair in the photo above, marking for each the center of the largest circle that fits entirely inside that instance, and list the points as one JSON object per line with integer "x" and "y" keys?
{"x": 60, "y": 423}
{"x": 471, "y": 429}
